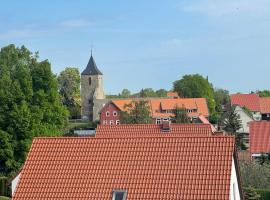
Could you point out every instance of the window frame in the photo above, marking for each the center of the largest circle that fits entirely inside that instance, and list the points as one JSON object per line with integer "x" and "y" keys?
{"x": 117, "y": 122}
{"x": 114, "y": 113}
{"x": 107, "y": 113}
{"x": 119, "y": 191}
{"x": 111, "y": 122}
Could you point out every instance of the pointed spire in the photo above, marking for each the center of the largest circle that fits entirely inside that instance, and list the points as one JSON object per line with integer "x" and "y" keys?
{"x": 91, "y": 68}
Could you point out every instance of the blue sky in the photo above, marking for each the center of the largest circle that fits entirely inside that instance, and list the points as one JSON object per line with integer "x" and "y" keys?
{"x": 140, "y": 44}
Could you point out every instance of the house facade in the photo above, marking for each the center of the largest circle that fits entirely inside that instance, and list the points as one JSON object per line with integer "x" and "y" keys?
{"x": 162, "y": 109}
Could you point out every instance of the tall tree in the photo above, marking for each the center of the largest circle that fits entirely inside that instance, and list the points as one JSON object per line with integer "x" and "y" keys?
{"x": 222, "y": 98}
{"x": 180, "y": 116}
{"x": 161, "y": 93}
{"x": 263, "y": 93}
{"x": 125, "y": 93}
{"x": 232, "y": 124}
{"x": 251, "y": 194}
{"x": 30, "y": 104}
{"x": 136, "y": 112}
{"x": 196, "y": 86}
{"x": 69, "y": 88}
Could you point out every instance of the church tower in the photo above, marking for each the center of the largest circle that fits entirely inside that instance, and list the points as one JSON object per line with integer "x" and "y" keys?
{"x": 91, "y": 88}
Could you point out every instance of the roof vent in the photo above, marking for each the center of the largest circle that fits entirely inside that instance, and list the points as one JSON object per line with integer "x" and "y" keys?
{"x": 166, "y": 126}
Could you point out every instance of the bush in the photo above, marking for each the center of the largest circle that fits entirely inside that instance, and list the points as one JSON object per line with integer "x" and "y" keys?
{"x": 264, "y": 193}
{"x": 4, "y": 198}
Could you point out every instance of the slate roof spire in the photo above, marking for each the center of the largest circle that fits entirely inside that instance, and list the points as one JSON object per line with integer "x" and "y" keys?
{"x": 91, "y": 68}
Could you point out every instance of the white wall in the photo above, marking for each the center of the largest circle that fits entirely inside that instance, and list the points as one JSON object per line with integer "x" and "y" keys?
{"x": 245, "y": 118}
{"x": 234, "y": 189}
{"x": 14, "y": 183}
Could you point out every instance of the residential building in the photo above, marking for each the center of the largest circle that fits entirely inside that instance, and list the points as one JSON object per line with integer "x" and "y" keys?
{"x": 259, "y": 138}
{"x": 131, "y": 168}
{"x": 162, "y": 109}
{"x": 259, "y": 106}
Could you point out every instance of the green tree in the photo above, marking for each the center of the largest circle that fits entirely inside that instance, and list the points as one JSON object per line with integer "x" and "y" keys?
{"x": 147, "y": 92}
{"x": 161, "y": 93}
{"x": 263, "y": 93}
{"x": 232, "y": 124}
{"x": 30, "y": 104}
{"x": 222, "y": 98}
{"x": 69, "y": 88}
{"x": 255, "y": 175}
{"x": 196, "y": 86}
{"x": 125, "y": 93}
{"x": 251, "y": 194}
{"x": 136, "y": 112}
{"x": 180, "y": 116}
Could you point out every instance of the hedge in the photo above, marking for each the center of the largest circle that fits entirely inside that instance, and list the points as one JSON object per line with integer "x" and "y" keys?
{"x": 265, "y": 193}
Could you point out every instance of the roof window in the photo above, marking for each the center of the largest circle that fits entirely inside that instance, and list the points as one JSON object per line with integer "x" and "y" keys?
{"x": 119, "y": 195}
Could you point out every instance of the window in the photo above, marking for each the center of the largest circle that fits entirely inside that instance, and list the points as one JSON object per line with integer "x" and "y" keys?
{"x": 268, "y": 115}
{"x": 104, "y": 122}
{"x": 114, "y": 113}
{"x": 117, "y": 122}
{"x": 111, "y": 122}
{"x": 89, "y": 80}
{"x": 158, "y": 121}
{"x": 107, "y": 114}
{"x": 119, "y": 195}
{"x": 165, "y": 119}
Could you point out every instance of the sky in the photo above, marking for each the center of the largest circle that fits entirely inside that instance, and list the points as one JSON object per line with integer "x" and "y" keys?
{"x": 148, "y": 43}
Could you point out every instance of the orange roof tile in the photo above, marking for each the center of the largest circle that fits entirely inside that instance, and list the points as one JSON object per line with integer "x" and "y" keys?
{"x": 124, "y": 130}
{"x": 250, "y": 101}
{"x": 265, "y": 105}
{"x": 187, "y": 168}
{"x": 259, "y": 137}
{"x": 172, "y": 94}
{"x": 205, "y": 121}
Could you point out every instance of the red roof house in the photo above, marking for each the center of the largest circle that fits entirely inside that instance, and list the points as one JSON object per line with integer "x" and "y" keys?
{"x": 130, "y": 168}
{"x": 259, "y": 137}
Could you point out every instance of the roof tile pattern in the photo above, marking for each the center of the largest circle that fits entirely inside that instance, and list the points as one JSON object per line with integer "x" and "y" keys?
{"x": 250, "y": 101}
{"x": 193, "y": 168}
{"x": 259, "y": 137}
{"x": 124, "y": 130}
{"x": 265, "y": 105}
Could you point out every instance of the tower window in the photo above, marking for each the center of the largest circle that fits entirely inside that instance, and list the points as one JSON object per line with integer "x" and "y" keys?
{"x": 107, "y": 114}
{"x": 89, "y": 80}
{"x": 119, "y": 195}
{"x": 114, "y": 113}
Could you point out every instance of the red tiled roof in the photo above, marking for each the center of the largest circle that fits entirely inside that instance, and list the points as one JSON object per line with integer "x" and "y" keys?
{"x": 205, "y": 121}
{"x": 250, "y": 101}
{"x": 124, "y": 130}
{"x": 186, "y": 168}
{"x": 265, "y": 105}
{"x": 172, "y": 94}
{"x": 259, "y": 137}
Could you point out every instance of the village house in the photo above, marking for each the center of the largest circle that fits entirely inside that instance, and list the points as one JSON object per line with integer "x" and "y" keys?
{"x": 259, "y": 106}
{"x": 128, "y": 168}
{"x": 162, "y": 109}
{"x": 259, "y": 138}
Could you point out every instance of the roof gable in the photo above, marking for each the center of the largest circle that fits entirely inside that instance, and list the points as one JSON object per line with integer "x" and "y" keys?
{"x": 148, "y": 168}
{"x": 250, "y": 101}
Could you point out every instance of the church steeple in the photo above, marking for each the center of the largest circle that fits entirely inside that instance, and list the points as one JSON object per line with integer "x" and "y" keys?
{"x": 91, "y": 68}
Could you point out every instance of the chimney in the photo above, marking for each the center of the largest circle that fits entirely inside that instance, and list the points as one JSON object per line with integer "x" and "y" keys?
{"x": 166, "y": 126}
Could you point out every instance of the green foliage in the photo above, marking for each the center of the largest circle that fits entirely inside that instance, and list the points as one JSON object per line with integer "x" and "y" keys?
{"x": 69, "y": 88}
{"x": 263, "y": 93}
{"x": 247, "y": 111}
{"x": 222, "y": 98}
{"x": 264, "y": 193}
{"x": 232, "y": 124}
{"x": 137, "y": 112}
{"x": 30, "y": 104}
{"x": 147, "y": 92}
{"x": 161, "y": 93}
{"x": 251, "y": 194}
{"x": 125, "y": 93}
{"x": 255, "y": 175}
{"x": 4, "y": 198}
{"x": 3, "y": 186}
{"x": 195, "y": 86}
{"x": 181, "y": 116}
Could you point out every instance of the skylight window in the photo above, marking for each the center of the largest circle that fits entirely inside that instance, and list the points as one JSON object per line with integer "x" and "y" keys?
{"x": 119, "y": 195}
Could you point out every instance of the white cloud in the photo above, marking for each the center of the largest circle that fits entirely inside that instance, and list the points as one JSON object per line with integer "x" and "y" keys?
{"x": 219, "y": 8}
{"x": 75, "y": 23}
